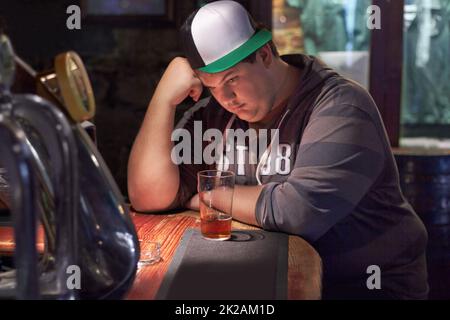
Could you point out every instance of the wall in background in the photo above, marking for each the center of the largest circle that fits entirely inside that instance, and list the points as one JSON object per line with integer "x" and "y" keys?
{"x": 124, "y": 62}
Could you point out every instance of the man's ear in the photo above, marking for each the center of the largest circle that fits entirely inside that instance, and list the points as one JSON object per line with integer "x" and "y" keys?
{"x": 265, "y": 53}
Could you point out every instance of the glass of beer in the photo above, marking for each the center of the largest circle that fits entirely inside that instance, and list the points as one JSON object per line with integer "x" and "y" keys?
{"x": 215, "y": 189}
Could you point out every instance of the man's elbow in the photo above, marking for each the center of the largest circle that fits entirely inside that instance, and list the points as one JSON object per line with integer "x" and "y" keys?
{"x": 149, "y": 204}
{"x": 149, "y": 200}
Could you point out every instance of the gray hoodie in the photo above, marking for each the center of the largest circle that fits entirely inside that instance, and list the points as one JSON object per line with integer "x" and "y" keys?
{"x": 336, "y": 184}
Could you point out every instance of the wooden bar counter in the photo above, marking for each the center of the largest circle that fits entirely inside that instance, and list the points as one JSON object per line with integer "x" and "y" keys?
{"x": 304, "y": 264}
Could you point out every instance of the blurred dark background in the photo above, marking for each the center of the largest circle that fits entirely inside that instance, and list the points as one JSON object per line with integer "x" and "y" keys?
{"x": 124, "y": 59}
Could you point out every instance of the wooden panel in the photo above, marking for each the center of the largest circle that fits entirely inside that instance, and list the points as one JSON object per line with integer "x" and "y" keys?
{"x": 7, "y": 240}
{"x": 386, "y": 58}
{"x": 168, "y": 231}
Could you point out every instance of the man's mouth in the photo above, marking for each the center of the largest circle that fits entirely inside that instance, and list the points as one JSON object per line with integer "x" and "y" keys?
{"x": 237, "y": 108}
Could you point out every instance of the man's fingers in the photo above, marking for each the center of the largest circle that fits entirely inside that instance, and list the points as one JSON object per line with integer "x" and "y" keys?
{"x": 196, "y": 91}
{"x": 194, "y": 95}
{"x": 193, "y": 203}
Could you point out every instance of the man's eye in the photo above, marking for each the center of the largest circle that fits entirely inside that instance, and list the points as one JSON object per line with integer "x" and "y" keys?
{"x": 232, "y": 80}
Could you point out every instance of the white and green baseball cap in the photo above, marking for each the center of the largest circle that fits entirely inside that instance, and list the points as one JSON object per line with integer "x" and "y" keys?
{"x": 219, "y": 35}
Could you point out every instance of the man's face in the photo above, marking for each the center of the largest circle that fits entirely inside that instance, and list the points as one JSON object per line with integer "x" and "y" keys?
{"x": 245, "y": 89}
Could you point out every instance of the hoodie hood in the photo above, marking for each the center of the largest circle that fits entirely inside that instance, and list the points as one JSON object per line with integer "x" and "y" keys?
{"x": 315, "y": 74}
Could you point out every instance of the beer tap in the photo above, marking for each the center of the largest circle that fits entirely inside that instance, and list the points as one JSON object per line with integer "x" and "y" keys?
{"x": 88, "y": 228}
{"x": 17, "y": 158}
{"x": 44, "y": 131}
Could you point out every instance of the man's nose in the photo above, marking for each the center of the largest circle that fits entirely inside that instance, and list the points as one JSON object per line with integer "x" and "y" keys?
{"x": 228, "y": 97}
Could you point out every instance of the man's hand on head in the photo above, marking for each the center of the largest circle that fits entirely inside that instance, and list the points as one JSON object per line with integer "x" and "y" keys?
{"x": 177, "y": 83}
{"x": 193, "y": 203}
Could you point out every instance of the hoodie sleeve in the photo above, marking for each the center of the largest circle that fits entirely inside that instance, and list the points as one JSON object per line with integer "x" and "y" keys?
{"x": 340, "y": 156}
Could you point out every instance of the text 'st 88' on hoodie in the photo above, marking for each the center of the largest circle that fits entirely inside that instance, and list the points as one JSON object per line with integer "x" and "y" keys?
{"x": 338, "y": 187}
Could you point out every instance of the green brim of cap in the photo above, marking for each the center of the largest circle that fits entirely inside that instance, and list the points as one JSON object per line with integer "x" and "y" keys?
{"x": 237, "y": 55}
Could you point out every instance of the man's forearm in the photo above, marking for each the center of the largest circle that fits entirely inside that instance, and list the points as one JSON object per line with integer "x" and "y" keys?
{"x": 244, "y": 203}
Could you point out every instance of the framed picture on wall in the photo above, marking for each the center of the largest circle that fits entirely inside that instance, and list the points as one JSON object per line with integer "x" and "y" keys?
{"x": 130, "y": 12}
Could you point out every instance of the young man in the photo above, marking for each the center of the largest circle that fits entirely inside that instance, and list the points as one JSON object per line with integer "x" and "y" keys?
{"x": 327, "y": 172}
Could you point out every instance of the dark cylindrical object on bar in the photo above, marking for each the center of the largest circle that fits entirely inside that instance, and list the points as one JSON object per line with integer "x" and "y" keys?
{"x": 425, "y": 182}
